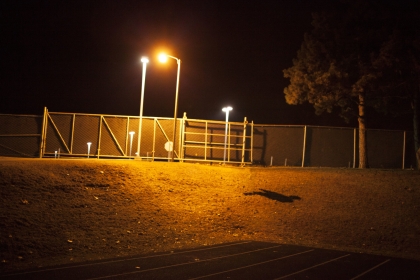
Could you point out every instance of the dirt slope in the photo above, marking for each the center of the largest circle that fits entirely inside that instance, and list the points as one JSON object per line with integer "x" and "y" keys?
{"x": 61, "y": 211}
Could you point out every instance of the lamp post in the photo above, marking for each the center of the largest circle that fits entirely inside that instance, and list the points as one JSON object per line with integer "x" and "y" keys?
{"x": 163, "y": 58}
{"x": 226, "y": 110}
{"x": 144, "y": 60}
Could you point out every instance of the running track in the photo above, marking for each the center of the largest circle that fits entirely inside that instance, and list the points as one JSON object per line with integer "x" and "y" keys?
{"x": 240, "y": 260}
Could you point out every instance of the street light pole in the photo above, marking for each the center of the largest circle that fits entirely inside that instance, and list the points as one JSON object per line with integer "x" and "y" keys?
{"x": 163, "y": 58}
{"x": 226, "y": 110}
{"x": 144, "y": 60}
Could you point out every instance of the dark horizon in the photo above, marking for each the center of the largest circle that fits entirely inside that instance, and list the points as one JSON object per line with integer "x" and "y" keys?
{"x": 84, "y": 58}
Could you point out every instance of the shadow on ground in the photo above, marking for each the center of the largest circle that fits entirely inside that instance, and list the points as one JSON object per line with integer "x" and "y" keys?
{"x": 275, "y": 196}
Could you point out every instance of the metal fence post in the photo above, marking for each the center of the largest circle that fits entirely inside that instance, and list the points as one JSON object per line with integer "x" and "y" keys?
{"x": 403, "y": 155}
{"x": 179, "y": 140}
{"x": 47, "y": 116}
{"x": 154, "y": 138}
{"x": 252, "y": 142}
{"x": 72, "y": 133}
{"x": 354, "y": 147}
{"x": 99, "y": 135}
{"x": 304, "y": 146}
{"x": 127, "y": 129}
{"x": 182, "y": 152}
{"x": 42, "y": 145}
{"x": 205, "y": 141}
{"x": 243, "y": 142}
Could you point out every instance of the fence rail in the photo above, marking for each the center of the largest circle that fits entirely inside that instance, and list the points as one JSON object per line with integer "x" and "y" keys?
{"x": 114, "y": 136}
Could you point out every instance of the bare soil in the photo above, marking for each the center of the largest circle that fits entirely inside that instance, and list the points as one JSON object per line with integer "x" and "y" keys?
{"x": 59, "y": 211}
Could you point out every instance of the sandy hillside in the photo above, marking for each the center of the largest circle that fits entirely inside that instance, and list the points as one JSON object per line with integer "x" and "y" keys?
{"x": 62, "y": 211}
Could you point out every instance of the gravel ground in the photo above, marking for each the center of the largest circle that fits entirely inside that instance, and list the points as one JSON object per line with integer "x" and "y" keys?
{"x": 59, "y": 211}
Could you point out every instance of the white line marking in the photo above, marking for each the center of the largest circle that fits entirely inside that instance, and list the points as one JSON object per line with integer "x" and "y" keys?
{"x": 375, "y": 267}
{"x": 181, "y": 264}
{"x": 311, "y": 267}
{"x": 251, "y": 265}
{"x": 123, "y": 260}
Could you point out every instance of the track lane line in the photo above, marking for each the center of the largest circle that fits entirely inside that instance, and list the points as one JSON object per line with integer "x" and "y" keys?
{"x": 123, "y": 260}
{"x": 181, "y": 264}
{"x": 208, "y": 275}
{"x": 375, "y": 267}
{"x": 311, "y": 267}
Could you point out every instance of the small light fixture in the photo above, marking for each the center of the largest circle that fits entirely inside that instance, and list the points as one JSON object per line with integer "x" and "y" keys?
{"x": 89, "y": 144}
{"x": 131, "y": 140}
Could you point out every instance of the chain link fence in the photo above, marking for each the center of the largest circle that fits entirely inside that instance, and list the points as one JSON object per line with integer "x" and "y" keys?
{"x": 20, "y": 135}
{"x": 107, "y": 136}
{"x": 311, "y": 146}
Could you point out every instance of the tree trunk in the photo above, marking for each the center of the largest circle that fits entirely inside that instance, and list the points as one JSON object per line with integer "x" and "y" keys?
{"x": 363, "y": 160}
{"x": 416, "y": 124}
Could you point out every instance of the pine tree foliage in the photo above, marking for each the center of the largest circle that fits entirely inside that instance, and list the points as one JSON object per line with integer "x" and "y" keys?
{"x": 346, "y": 62}
{"x": 336, "y": 60}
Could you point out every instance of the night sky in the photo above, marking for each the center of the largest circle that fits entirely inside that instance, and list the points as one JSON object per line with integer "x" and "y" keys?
{"x": 83, "y": 57}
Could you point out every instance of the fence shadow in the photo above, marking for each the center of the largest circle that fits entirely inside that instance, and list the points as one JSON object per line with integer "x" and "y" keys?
{"x": 275, "y": 196}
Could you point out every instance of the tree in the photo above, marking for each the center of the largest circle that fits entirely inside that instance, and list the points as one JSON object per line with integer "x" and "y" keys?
{"x": 336, "y": 64}
{"x": 399, "y": 61}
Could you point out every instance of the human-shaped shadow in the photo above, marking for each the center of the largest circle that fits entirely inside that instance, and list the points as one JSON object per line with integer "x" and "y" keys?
{"x": 275, "y": 196}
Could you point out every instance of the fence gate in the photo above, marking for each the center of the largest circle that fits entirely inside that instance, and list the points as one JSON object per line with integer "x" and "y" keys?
{"x": 105, "y": 136}
{"x": 216, "y": 141}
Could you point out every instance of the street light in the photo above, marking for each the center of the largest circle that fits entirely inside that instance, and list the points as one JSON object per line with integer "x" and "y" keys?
{"x": 163, "y": 58}
{"x": 226, "y": 110}
{"x": 144, "y": 60}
